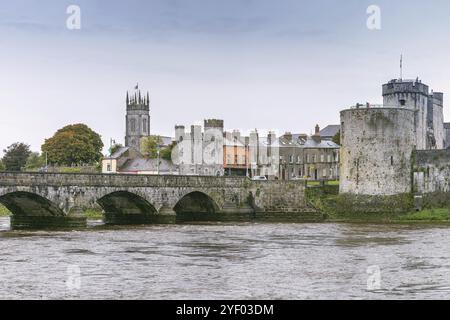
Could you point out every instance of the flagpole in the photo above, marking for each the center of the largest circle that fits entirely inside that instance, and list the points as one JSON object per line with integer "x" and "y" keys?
{"x": 401, "y": 66}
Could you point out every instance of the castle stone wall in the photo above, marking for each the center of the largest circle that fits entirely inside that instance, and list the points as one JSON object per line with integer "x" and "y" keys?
{"x": 376, "y": 150}
{"x": 431, "y": 171}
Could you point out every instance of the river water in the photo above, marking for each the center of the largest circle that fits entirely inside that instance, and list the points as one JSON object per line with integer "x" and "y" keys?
{"x": 227, "y": 261}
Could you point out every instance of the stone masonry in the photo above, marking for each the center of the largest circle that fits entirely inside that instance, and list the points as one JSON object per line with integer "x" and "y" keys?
{"x": 156, "y": 197}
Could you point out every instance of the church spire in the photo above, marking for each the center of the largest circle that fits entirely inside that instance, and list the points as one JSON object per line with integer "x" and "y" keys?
{"x": 128, "y": 100}
{"x": 148, "y": 99}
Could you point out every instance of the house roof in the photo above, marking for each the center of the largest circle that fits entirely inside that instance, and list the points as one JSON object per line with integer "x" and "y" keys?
{"x": 299, "y": 140}
{"x": 166, "y": 141}
{"x": 142, "y": 164}
{"x": 330, "y": 130}
{"x": 118, "y": 153}
{"x": 233, "y": 142}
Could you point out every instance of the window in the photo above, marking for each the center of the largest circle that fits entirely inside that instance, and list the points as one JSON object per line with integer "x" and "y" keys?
{"x": 108, "y": 167}
{"x": 324, "y": 173}
{"x": 402, "y": 102}
{"x": 322, "y": 158}
{"x": 291, "y": 159}
{"x": 329, "y": 158}
{"x": 314, "y": 158}
{"x": 133, "y": 125}
{"x": 144, "y": 125}
{"x": 298, "y": 159}
{"x": 392, "y": 160}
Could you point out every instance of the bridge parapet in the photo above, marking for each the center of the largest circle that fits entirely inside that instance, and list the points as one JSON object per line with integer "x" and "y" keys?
{"x": 119, "y": 180}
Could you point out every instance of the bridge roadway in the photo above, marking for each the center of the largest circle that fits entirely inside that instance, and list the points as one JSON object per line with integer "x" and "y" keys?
{"x": 60, "y": 199}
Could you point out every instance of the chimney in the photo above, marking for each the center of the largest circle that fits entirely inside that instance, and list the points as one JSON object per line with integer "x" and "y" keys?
{"x": 317, "y": 132}
{"x": 316, "y": 137}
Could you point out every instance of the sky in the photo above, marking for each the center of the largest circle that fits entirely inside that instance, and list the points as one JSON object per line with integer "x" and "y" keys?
{"x": 282, "y": 65}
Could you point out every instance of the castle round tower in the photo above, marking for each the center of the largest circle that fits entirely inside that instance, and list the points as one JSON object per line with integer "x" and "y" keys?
{"x": 137, "y": 118}
{"x": 377, "y": 145}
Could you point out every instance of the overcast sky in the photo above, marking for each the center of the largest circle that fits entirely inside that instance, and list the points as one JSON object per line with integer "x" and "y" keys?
{"x": 283, "y": 65}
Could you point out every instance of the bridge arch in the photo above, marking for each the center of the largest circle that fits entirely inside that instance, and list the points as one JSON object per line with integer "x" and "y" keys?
{"x": 196, "y": 205}
{"x": 27, "y": 204}
{"x": 124, "y": 207}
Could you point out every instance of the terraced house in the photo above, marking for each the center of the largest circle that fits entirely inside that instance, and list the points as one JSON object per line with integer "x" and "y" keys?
{"x": 308, "y": 157}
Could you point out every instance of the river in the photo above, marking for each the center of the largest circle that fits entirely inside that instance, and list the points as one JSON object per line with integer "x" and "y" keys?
{"x": 227, "y": 261}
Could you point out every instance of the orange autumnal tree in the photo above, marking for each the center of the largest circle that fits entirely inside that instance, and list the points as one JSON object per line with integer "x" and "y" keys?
{"x": 73, "y": 144}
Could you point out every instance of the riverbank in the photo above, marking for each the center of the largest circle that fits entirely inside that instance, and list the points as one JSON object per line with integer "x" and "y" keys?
{"x": 376, "y": 209}
{"x": 432, "y": 215}
{"x": 4, "y": 212}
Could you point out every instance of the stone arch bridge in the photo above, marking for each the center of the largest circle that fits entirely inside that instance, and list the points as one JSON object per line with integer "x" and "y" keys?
{"x": 48, "y": 199}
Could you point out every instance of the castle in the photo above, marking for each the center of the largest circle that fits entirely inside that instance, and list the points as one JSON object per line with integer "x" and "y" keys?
{"x": 381, "y": 144}
{"x": 200, "y": 153}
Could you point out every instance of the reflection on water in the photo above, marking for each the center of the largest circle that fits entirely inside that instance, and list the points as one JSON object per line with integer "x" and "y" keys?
{"x": 225, "y": 261}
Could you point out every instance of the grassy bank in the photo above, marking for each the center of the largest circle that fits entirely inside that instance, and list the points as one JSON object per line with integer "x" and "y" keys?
{"x": 375, "y": 209}
{"x": 94, "y": 214}
{"x": 90, "y": 213}
{"x": 427, "y": 215}
{"x": 4, "y": 212}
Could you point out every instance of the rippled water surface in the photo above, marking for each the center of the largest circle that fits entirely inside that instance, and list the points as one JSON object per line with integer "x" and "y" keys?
{"x": 226, "y": 261}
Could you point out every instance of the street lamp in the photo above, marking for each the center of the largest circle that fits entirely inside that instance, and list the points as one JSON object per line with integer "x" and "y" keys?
{"x": 157, "y": 152}
{"x": 111, "y": 142}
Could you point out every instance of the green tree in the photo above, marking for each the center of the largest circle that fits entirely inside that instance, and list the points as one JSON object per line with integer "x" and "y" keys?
{"x": 115, "y": 147}
{"x": 166, "y": 153}
{"x": 149, "y": 146}
{"x": 35, "y": 161}
{"x": 2, "y": 166}
{"x": 73, "y": 144}
{"x": 337, "y": 138}
{"x": 16, "y": 156}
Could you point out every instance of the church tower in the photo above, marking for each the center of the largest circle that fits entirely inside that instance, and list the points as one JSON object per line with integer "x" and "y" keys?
{"x": 137, "y": 118}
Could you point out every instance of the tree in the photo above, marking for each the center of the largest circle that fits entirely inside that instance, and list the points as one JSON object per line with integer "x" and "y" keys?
{"x": 2, "y": 166}
{"x": 337, "y": 138}
{"x": 149, "y": 146}
{"x": 166, "y": 153}
{"x": 16, "y": 156}
{"x": 35, "y": 161}
{"x": 115, "y": 147}
{"x": 73, "y": 144}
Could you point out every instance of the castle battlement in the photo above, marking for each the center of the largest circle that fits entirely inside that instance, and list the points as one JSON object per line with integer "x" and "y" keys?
{"x": 405, "y": 86}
